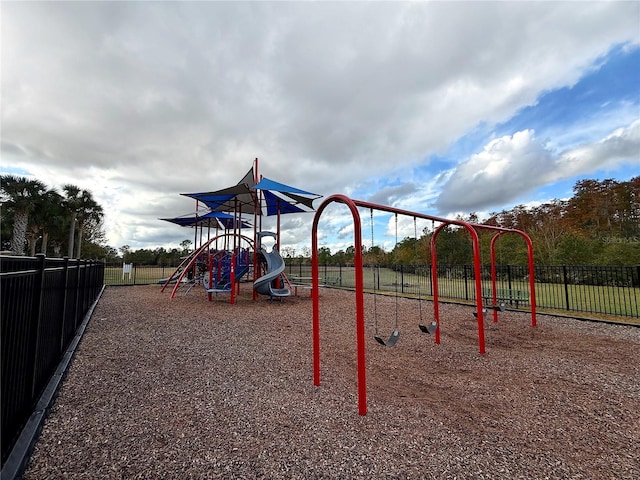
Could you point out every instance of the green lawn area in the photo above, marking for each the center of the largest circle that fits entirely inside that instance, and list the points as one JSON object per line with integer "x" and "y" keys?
{"x": 596, "y": 301}
{"x": 140, "y": 275}
{"x": 554, "y": 297}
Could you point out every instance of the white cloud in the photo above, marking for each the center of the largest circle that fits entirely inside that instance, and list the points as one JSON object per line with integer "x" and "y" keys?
{"x": 510, "y": 167}
{"x": 506, "y": 168}
{"x": 145, "y": 100}
{"x": 620, "y": 147}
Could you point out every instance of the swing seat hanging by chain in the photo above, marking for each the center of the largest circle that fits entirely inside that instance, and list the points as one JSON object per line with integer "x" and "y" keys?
{"x": 395, "y": 335}
{"x": 431, "y": 328}
{"x": 475, "y": 312}
{"x": 392, "y": 339}
{"x": 501, "y": 307}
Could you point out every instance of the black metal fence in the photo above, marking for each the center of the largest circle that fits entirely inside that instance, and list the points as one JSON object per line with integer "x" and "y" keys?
{"x": 134, "y": 274}
{"x": 592, "y": 290}
{"x": 43, "y": 303}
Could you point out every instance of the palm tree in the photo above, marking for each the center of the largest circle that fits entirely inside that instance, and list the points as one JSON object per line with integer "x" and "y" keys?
{"x": 48, "y": 217}
{"x": 71, "y": 204}
{"x": 83, "y": 211}
{"x": 89, "y": 215}
{"x": 19, "y": 196}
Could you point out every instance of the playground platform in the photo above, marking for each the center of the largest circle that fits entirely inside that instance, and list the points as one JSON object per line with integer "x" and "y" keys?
{"x": 187, "y": 388}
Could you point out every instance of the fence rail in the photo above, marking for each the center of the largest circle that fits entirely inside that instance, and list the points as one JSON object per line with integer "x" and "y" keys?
{"x": 43, "y": 303}
{"x": 586, "y": 289}
{"x": 593, "y": 290}
{"x": 120, "y": 274}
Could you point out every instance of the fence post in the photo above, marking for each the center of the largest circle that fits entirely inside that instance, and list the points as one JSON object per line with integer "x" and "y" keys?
{"x": 565, "y": 281}
{"x": 465, "y": 276}
{"x": 401, "y": 279}
{"x": 78, "y": 307}
{"x": 82, "y": 265}
{"x": 65, "y": 302}
{"x": 36, "y": 317}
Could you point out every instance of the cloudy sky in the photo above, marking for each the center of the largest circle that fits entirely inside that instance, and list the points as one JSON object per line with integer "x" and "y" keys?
{"x": 442, "y": 108}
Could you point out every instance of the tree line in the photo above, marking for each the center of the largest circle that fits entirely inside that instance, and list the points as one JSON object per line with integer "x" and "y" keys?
{"x": 65, "y": 222}
{"x": 598, "y": 225}
{"x": 158, "y": 256}
{"x": 39, "y": 219}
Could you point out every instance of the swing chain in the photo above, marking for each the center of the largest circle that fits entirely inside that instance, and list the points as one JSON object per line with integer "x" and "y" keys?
{"x": 373, "y": 271}
{"x": 396, "y": 334}
{"x": 396, "y": 268}
{"x": 415, "y": 253}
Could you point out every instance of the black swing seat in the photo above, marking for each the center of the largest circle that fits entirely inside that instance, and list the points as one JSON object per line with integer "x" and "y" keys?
{"x": 500, "y": 308}
{"x": 428, "y": 328}
{"x": 392, "y": 339}
{"x": 475, "y": 312}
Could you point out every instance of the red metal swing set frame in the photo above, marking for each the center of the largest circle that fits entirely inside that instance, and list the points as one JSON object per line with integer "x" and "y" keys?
{"x": 359, "y": 282}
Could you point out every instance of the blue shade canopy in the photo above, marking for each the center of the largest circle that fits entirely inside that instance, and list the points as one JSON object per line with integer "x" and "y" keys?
{"x": 209, "y": 219}
{"x": 268, "y": 184}
{"x": 281, "y": 198}
{"x": 239, "y": 198}
{"x": 265, "y": 197}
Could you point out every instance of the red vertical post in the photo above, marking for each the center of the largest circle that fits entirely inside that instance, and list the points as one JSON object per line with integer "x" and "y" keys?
{"x": 315, "y": 285}
{"x": 478, "y": 275}
{"x": 360, "y": 337}
{"x": 532, "y": 280}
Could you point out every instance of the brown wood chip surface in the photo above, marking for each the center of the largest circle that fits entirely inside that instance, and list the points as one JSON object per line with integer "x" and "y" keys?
{"x": 187, "y": 388}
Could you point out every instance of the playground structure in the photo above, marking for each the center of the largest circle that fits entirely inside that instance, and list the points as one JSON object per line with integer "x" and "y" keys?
{"x": 218, "y": 270}
{"x": 225, "y": 260}
{"x": 359, "y": 283}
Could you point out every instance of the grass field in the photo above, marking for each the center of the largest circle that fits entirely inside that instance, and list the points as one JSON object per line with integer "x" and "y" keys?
{"x": 597, "y": 301}
{"x": 140, "y": 275}
{"x": 552, "y": 297}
